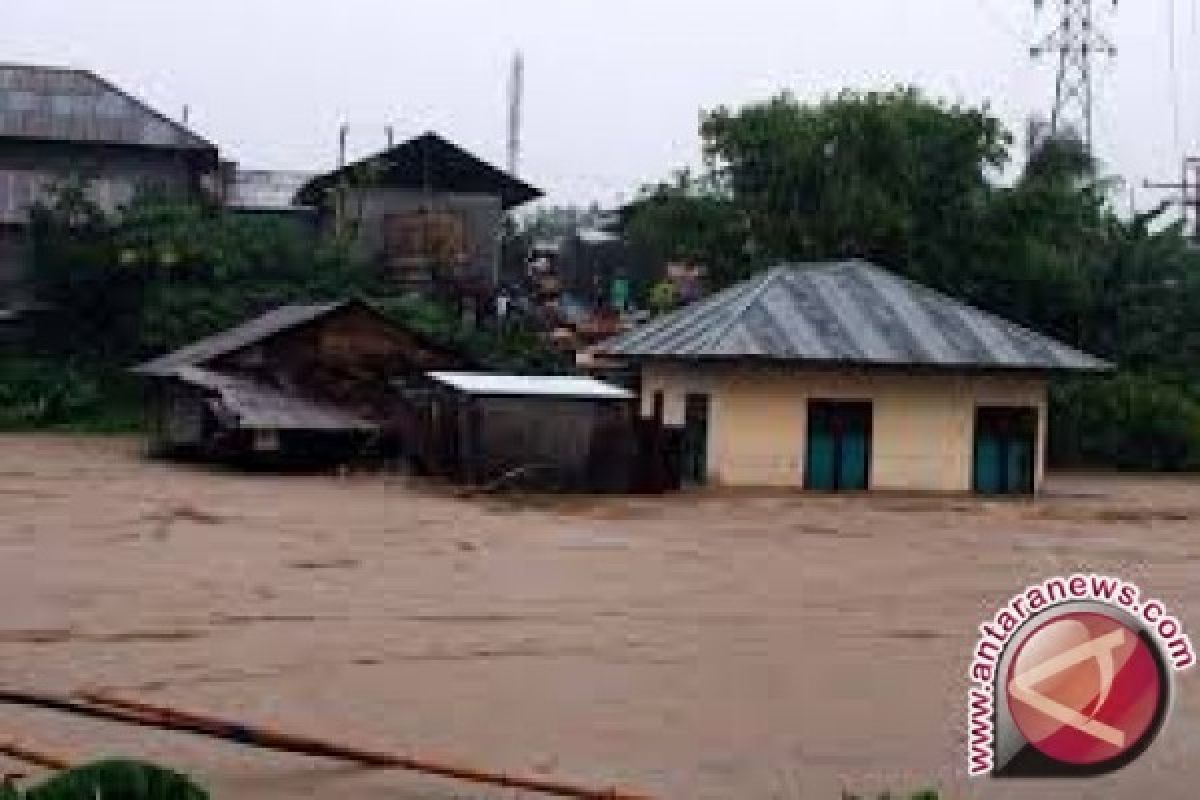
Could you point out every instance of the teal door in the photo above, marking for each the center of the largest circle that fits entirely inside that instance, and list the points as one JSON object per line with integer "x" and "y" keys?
{"x": 1005, "y": 459}
{"x": 838, "y": 452}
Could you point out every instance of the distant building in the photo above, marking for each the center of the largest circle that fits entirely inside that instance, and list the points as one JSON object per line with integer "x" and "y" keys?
{"x": 264, "y": 192}
{"x": 427, "y": 212}
{"x": 843, "y": 376}
{"x": 60, "y": 124}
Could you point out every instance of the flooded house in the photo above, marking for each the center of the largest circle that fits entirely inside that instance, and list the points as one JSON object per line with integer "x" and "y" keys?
{"x": 321, "y": 382}
{"x": 844, "y": 376}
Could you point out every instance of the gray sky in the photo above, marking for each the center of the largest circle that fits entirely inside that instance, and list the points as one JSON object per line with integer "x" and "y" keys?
{"x": 613, "y": 88}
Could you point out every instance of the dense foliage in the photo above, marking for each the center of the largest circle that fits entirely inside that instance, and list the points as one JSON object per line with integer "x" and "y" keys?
{"x": 118, "y": 288}
{"x": 916, "y": 186}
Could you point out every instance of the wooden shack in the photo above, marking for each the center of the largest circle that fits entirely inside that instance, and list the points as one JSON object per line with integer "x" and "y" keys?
{"x": 558, "y": 432}
{"x": 300, "y": 382}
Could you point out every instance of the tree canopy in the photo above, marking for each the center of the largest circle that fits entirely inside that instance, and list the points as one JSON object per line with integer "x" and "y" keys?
{"x": 930, "y": 190}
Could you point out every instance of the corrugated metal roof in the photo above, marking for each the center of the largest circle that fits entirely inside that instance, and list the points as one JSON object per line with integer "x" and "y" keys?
{"x": 250, "y": 405}
{"x": 70, "y": 105}
{"x": 429, "y": 162}
{"x": 849, "y": 313}
{"x": 563, "y": 386}
{"x": 244, "y": 335}
{"x": 266, "y": 190}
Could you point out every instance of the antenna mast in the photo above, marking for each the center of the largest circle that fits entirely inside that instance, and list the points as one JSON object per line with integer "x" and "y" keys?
{"x": 516, "y": 90}
{"x": 1075, "y": 40}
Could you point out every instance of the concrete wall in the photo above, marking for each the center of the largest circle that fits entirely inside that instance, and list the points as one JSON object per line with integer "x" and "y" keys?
{"x": 923, "y": 424}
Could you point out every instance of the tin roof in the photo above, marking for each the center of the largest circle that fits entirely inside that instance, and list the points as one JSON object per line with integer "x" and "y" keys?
{"x": 266, "y": 190}
{"x": 426, "y": 162}
{"x": 71, "y": 105}
{"x": 561, "y": 386}
{"x": 238, "y": 337}
{"x": 845, "y": 313}
{"x": 252, "y": 405}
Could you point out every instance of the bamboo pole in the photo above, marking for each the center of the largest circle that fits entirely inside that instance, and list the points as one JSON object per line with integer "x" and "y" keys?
{"x": 21, "y": 751}
{"x": 107, "y": 705}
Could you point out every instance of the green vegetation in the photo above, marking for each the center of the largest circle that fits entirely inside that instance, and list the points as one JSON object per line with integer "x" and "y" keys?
{"x": 929, "y": 190}
{"x": 111, "y": 780}
{"x": 160, "y": 274}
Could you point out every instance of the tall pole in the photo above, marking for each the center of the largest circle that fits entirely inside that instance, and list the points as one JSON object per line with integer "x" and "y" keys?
{"x": 516, "y": 90}
{"x": 1075, "y": 40}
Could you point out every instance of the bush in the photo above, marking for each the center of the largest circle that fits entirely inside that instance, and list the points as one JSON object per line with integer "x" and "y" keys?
{"x": 112, "y": 780}
{"x": 1130, "y": 421}
{"x": 45, "y": 393}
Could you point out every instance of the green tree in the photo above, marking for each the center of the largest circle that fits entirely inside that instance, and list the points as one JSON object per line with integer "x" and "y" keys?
{"x": 915, "y": 185}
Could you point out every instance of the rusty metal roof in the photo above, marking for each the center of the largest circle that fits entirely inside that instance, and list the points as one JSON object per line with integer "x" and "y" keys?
{"x": 71, "y": 105}
{"x": 227, "y": 341}
{"x": 252, "y": 405}
{"x": 844, "y": 313}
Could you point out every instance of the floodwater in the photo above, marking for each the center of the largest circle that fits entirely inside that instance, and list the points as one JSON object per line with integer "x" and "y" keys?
{"x": 716, "y": 645}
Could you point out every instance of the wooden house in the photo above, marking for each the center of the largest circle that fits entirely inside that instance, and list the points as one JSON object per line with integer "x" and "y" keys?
{"x": 843, "y": 376}
{"x": 427, "y": 212}
{"x": 304, "y": 381}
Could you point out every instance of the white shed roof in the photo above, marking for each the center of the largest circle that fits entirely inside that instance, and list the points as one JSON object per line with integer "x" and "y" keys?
{"x": 566, "y": 386}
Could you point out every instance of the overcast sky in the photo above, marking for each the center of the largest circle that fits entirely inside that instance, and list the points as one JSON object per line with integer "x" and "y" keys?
{"x": 613, "y": 88}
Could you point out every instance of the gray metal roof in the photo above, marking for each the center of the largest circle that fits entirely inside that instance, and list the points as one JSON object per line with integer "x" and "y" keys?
{"x": 50, "y": 103}
{"x": 266, "y": 190}
{"x": 846, "y": 313}
{"x": 251, "y": 405}
{"x": 244, "y": 335}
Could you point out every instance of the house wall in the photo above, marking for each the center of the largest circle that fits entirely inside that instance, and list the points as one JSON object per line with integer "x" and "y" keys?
{"x": 113, "y": 176}
{"x": 482, "y": 217}
{"x": 923, "y": 423}
{"x": 13, "y": 258}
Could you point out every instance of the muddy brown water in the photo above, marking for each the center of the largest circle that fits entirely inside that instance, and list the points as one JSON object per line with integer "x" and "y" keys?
{"x": 719, "y": 645}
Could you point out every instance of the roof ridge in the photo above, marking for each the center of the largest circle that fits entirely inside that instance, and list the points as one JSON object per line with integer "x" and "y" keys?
{"x": 753, "y": 293}
{"x": 145, "y": 106}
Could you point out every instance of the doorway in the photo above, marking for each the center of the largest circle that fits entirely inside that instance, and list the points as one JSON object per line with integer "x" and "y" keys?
{"x": 695, "y": 440}
{"x": 838, "y": 455}
{"x": 1005, "y": 450}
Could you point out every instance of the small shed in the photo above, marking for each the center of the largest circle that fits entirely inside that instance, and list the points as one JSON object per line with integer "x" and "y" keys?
{"x": 558, "y": 431}
{"x": 303, "y": 382}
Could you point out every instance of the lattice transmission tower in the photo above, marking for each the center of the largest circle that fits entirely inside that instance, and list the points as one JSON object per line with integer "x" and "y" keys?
{"x": 1076, "y": 41}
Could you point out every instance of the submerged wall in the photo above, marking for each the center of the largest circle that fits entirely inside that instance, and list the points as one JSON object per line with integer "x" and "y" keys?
{"x": 923, "y": 422}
